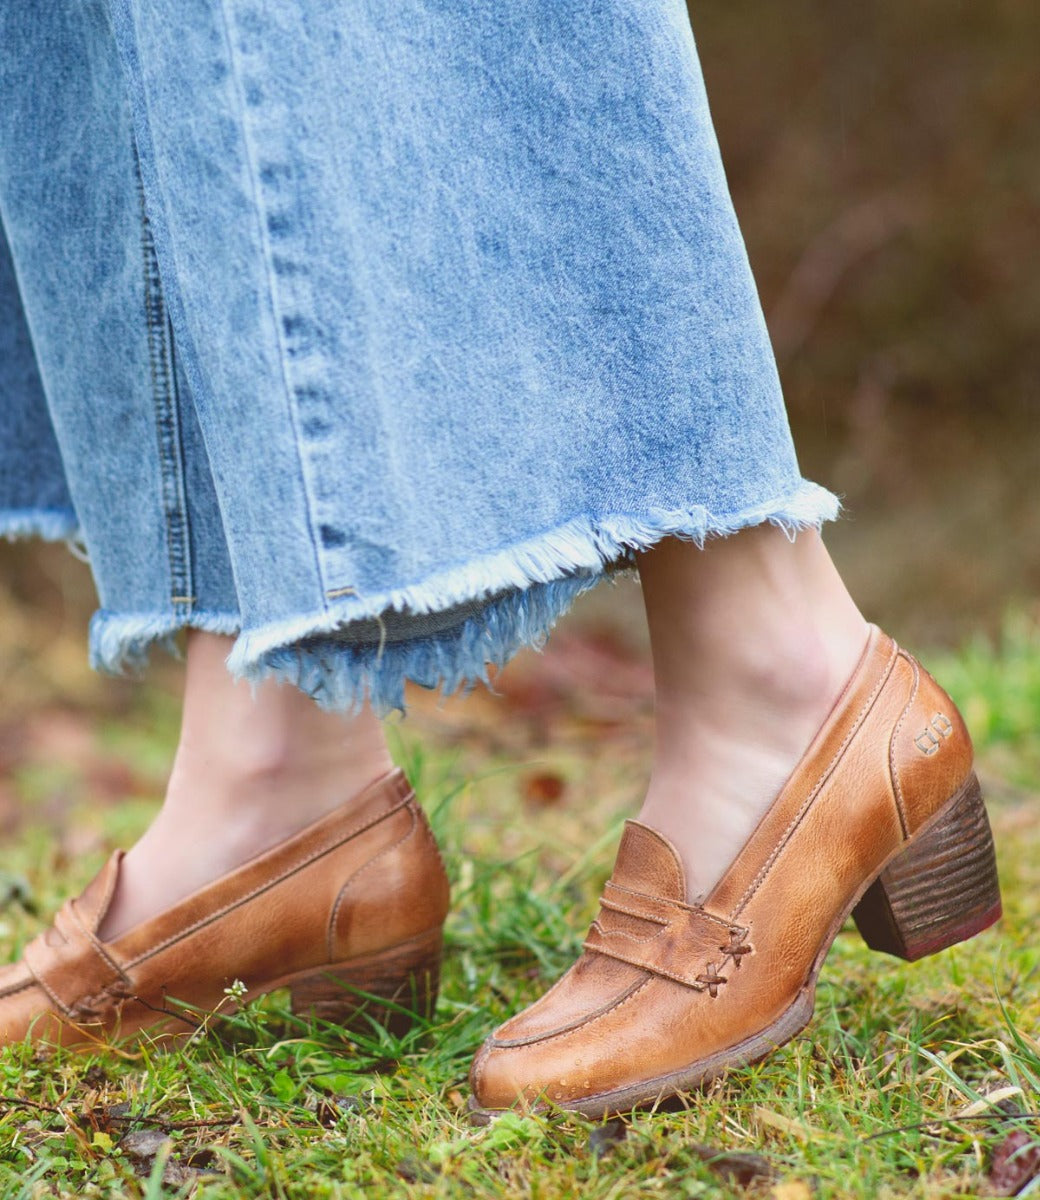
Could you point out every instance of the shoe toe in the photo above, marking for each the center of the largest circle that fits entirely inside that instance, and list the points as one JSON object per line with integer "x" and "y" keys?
{"x": 556, "y": 1050}
{"x": 560, "y": 1070}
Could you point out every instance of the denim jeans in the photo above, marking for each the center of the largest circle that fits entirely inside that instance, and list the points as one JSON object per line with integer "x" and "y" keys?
{"x": 371, "y": 333}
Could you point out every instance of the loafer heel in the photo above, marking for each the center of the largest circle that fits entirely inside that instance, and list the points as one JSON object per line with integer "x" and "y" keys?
{"x": 406, "y": 976}
{"x": 942, "y": 889}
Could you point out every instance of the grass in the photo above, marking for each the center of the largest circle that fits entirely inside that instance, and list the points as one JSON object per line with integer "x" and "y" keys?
{"x": 908, "y": 1079}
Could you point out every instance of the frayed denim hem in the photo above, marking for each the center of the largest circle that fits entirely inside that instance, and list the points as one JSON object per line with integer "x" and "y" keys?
{"x": 511, "y": 599}
{"x": 122, "y": 642}
{"x": 51, "y": 524}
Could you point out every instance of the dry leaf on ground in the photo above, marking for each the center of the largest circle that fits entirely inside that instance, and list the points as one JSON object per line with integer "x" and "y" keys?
{"x": 1015, "y": 1162}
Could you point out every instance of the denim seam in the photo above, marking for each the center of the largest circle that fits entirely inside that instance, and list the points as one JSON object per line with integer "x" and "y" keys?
{"x": 261, "y": 213}
{"x": 166, "y": 400}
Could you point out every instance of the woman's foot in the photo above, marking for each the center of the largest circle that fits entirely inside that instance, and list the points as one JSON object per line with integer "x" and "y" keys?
{"x": 882, "y": 816}
{"x": 254, "y": 765}
{"x": 798, "y": 753}
{"x": 288, "y": 853}
{"x": 346, "y": 914}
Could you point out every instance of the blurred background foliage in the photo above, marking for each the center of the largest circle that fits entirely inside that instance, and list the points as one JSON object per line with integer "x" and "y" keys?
{"x": 885, "y": 163}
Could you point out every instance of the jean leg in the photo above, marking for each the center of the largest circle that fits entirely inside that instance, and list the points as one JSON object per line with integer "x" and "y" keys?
{"x": 465, "y": 309}
{"x": 80, "y": 240}
{"x": 34, "y": 496}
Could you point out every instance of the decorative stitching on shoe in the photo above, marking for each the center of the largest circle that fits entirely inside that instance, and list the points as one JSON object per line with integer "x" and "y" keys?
{"x": 699, "y": 909}
{"x": 331, "y": 931}
{"x": 631, "y": 912}
{"x": 785, "y": 837}
{"x": 95, "y": 942}
{"x": 663, "y": 923}
{"x": 712, "y": 980}
{"x": 737, "y": 948}
{"x": 897, "y": 788}
{"x": 624, "y": 933}
{"x": 427, "y": 830}
{"x": 78, "y": 941}
{"x": 557, "y": 986}
{"x": 93, "y": 1008}
{"x": 707, "y": 981}
{"x": 61, "y": 1007}
{"x": 113, "y": 883}
{"x": 324, "y": 849}
{"x": 19, "y": 987}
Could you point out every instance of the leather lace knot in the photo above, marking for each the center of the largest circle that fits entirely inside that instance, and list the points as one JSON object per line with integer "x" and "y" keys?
{"x": 101, "y": 1003}
{"x": 712, "y": 980}
{"x": 736, "y": 948}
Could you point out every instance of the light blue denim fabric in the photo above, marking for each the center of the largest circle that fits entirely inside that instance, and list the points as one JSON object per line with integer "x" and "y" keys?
{"x": 372, "y": 333}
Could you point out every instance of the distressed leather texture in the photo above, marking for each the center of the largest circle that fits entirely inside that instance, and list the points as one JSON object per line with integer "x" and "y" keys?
{"x": 366, "y": 878}
{"x": 666, "y": 984}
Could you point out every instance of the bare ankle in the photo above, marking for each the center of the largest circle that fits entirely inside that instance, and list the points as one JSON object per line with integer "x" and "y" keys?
{"x": 753, "y": 641}
{"x": 253, "y": 767}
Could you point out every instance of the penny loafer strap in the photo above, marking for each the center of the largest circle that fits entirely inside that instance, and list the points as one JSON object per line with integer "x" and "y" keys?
{"x": 73, "y": 968}
{"x": 681, "y": 942}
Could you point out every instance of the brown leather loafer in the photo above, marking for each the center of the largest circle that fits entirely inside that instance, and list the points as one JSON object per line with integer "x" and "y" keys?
{"x": 882, "y": 818}
{"x": 353, "y": 903}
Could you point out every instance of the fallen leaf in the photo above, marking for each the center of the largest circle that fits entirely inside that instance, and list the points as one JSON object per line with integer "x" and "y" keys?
{"x": 543, "y": 789}
{"x": 992, "y": 1099}
{"x": 606, "y": 1136}
{"x": 203, "y": 1158}
{"x": 144, "y": 1146}
{"x": 144, "y": 1143}
{"x": 1015, "y": 1162}
{"x": 739, "y": 1168}
{"x": 176, "y": 1174}
{"x": 111, "y": 780}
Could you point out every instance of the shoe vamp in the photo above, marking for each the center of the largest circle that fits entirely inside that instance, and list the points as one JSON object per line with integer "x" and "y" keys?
{"x": 593, "y": 986}
{"x": 659, "y": 1029}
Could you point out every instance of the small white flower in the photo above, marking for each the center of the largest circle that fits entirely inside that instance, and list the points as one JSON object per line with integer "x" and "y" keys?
{"x": 237, "y": 990}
